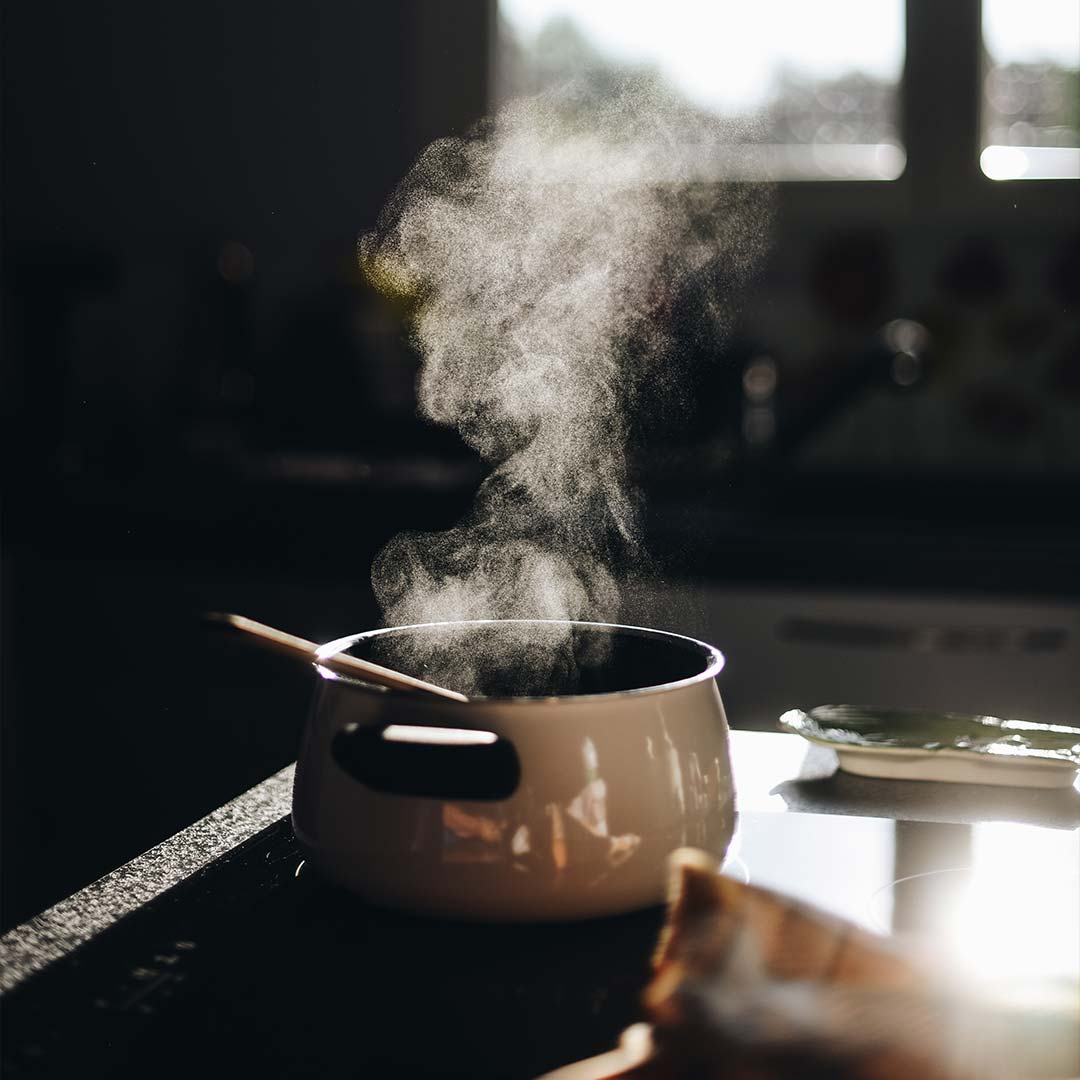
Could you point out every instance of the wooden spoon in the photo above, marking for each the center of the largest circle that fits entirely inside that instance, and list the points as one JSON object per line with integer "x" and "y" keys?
{"x": 342, "y": 663}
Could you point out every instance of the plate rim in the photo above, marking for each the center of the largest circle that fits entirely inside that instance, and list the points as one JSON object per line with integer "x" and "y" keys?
{"x": 989, "y": 760}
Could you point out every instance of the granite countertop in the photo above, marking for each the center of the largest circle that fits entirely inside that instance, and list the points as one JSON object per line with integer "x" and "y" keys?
{"x": 63, "y": 927}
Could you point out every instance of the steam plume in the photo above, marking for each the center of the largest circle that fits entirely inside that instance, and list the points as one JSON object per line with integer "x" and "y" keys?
{"x": 546, "y": 250}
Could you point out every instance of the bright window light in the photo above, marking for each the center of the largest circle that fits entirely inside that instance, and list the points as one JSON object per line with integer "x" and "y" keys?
{"x": 1017, "y": 919}
{"x": 1031, "y": 90}
{"x": 819, "y": 81}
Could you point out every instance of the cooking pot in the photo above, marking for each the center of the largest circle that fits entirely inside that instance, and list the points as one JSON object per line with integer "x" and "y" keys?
{"x": 594, "y": 751}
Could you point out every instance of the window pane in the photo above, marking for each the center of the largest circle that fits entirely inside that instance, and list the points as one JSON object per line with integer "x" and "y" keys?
{"x": 819, "y": 81}
{"x": 1031, "y": 89}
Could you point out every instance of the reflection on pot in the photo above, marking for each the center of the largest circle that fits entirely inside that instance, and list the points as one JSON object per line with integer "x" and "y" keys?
{"x": 470, "y": 837}
{"x": 546, "y": 841}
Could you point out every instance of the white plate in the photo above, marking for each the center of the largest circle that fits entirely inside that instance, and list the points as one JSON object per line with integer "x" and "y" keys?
{"x": 947, "y": 764}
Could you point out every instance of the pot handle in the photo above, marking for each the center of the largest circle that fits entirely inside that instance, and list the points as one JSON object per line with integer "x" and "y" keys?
{"x": 436, "y": 762}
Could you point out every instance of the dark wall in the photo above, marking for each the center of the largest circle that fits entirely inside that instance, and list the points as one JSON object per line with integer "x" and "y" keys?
{"x": 184, "y": 184}
{"x": 183, "y": 187}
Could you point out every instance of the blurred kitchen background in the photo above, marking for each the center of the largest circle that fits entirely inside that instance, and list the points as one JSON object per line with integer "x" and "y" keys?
{"x": 871, "y": 493}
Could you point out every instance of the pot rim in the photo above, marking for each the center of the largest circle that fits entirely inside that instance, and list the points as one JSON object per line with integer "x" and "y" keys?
{"x": 715, "y": 665}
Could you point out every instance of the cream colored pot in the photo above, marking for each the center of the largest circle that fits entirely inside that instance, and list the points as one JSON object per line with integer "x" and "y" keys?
{"x": 560, "y": 804}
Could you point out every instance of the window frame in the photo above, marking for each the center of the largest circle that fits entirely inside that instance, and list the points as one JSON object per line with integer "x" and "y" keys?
{"x": 940, "y": 101}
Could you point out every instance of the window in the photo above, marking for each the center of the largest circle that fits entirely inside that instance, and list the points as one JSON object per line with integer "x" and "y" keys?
{"x": 817, "y": 83}
{"x": 1031, "y": 89}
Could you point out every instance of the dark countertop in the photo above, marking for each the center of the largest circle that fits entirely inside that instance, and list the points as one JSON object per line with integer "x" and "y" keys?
{"x": 216, "y": 950}
{"x": 65, "y": 926}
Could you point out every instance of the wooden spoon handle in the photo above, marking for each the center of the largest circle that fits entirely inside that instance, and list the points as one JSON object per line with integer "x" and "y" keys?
{"x": 301, "y": 649}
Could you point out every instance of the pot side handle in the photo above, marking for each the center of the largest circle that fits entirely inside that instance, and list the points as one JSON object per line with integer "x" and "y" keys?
{"x": 443, "y": 763}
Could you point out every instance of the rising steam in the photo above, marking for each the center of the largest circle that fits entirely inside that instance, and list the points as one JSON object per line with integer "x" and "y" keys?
{"x": 546, "y": 251}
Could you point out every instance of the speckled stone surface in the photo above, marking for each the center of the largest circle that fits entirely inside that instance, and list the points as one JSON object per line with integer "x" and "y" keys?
{"x": 57, "y": 930}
